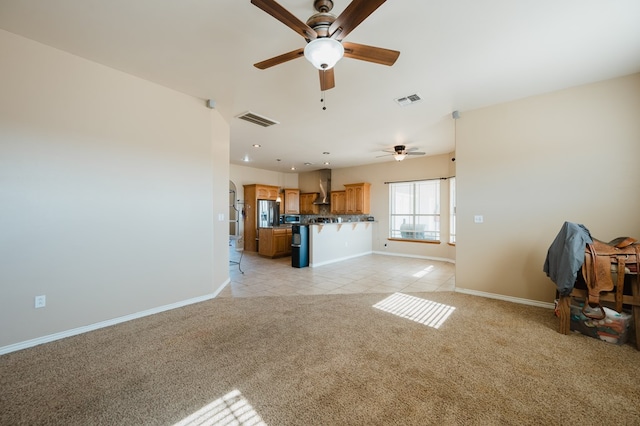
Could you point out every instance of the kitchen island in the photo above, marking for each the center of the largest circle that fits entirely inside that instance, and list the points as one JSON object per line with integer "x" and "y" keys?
{"x": 334, "y": 242}
{"x": 274, "y": 241}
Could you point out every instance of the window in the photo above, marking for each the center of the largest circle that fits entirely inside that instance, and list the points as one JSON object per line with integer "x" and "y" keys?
{"x": 452, "y": 210}
{"x": 415, "y": 210}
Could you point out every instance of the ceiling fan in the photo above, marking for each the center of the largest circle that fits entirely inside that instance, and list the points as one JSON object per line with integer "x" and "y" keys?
{"x": 399, "y": 152}
{"x": 324, "y": 32}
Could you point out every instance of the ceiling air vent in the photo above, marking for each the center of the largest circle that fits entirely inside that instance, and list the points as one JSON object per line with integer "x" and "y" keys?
{"x": 254, "y": 118}
{"x": 408, "y": 100}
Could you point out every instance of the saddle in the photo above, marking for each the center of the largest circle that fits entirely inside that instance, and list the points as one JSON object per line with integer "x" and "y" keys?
{"x": 602, "y": 261}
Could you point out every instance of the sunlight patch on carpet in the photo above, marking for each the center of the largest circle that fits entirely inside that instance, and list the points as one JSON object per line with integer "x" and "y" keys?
{"x": 427, "y": 312}
{"x": 230, "y": 410}
{"x": 424, "y": 272}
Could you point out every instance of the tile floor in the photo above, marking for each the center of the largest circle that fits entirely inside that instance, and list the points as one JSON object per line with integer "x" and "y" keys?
{"x": 372, "y": 273}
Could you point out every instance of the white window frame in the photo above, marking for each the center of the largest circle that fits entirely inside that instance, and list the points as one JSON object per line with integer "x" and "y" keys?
{"x": 418, "y": 218}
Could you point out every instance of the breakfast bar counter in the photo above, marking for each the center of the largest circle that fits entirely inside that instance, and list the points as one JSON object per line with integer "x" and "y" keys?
{"x": 334, "y": 242}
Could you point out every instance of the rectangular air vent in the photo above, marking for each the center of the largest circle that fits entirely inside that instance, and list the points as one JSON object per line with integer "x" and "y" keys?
{"x": 254, "y": 118}
{"x": 408, "y": 100}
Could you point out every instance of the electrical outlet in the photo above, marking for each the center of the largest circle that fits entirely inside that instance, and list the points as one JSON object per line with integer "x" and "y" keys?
{"x": 478, "y": 218}
{"x": 41, "y": 301}
{"x": 385, "y": 245}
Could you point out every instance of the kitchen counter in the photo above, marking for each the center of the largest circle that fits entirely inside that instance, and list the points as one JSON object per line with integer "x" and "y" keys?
{"x": 342, "y": 223}
{"x": 334, "y": 242}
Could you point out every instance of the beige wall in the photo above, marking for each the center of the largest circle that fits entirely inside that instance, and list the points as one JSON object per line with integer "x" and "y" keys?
{"x": 528, "y": 166}
{"x": 108, "y": 191}
{"x": 219, "y": 163}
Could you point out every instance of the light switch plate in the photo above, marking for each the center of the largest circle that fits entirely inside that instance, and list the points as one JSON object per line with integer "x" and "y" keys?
{"x": 41, "y": 301}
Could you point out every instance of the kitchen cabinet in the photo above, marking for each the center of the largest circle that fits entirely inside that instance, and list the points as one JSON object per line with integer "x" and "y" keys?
{"x": 338, "y": 202}
{"x": 253, "y": 193}
{"x": 291, "y": 201}
{"x": 264, "y": 192}
{"x": 306, "y": 203}
{"x": 275, "y": 242}
{"x": 358, "y": 198}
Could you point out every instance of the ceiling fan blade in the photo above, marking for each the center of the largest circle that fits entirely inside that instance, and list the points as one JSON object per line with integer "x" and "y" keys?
{"x": 352, "y": 16}
{"x": 370, "y": 53}
{"x": 286, "y": 17}
{"x": 327, "y": 79}
{"x": 386, "y": 155}
{"x": 276, "y": 60}
{"x": 415, "y": 153}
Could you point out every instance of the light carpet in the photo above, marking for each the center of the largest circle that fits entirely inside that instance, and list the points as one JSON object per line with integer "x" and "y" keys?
{"x": 326, "y": 360}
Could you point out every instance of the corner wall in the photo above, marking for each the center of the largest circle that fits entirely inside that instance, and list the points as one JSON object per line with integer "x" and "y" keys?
{"x": 530, "y": 165}
{"x": 107, "y": 186}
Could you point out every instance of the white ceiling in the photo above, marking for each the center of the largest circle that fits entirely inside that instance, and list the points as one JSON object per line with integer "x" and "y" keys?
{"x": 456, "y": 54}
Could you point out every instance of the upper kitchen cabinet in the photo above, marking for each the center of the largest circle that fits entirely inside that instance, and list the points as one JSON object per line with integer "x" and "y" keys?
{"x": 306, "y": 203}
{"x": 265, "y": 192}
{"x": 291, "y": 201}
{"x": 338, "y": 202}
{"x": 358, "y": 198}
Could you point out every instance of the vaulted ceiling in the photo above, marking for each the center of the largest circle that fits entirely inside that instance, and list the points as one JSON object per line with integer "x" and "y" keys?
{"x": 455, "y": 55}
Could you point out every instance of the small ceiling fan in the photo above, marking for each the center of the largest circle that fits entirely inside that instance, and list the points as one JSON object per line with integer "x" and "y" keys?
{"x": 324, "y": 33}
{"x": 399, "y": 152}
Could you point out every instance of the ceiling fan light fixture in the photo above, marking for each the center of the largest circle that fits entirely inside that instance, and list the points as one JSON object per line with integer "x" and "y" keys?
{"x": 324, "y": 53}
{"x": 399, "y": 156}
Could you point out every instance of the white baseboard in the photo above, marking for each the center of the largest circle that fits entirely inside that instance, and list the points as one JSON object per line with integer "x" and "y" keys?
{"x": 415, "y": 256}
{"x": 224, "y": 284}
{"x": 73, "y": 332}
{"x": 506, "y": 298}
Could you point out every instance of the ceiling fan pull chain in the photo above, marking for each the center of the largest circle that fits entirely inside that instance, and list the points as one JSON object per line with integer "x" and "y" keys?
{"x": 323, "y": 95}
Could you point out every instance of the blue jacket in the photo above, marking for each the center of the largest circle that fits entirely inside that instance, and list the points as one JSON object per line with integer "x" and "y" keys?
{"x": 566, "y": 256}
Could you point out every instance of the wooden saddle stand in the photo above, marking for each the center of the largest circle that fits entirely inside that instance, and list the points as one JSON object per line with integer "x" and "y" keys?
{"x": 602, "y": 262}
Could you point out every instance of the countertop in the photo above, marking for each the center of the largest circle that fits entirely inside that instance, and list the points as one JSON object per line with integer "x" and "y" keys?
{"x": 343, "y": 223}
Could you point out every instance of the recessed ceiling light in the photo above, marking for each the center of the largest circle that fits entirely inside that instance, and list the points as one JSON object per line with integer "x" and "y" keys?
{"x": 277, "y": 159}
{"x": 326, "y": 163}
{"x": 325, "y": 153}
{"x": 293, "y": 168}
{"x": 308, "y": 164}
{"x": 256, "y": 145}
{"x": 246, "y": 158}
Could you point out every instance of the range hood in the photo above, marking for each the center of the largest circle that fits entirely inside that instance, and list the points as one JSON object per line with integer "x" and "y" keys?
{"x": 325, "y": 187}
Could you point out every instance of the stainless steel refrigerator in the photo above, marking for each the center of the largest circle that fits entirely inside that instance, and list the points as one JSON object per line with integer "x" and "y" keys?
{"x": 268, "y": 213}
